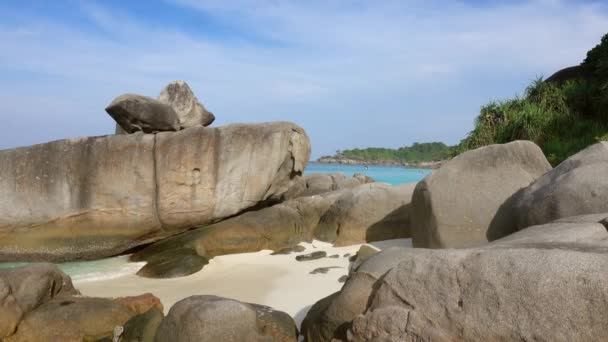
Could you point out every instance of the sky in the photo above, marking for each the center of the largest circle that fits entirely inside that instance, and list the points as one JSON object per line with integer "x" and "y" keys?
{"x": 352, "y": 73}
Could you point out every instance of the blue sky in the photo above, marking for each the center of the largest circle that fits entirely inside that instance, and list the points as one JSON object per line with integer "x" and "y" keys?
{"x": 352, "y": 73}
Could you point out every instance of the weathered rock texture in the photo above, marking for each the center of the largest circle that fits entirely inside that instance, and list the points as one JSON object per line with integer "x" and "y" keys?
{"x": 320, "y": 183}
{"x": 136, "y": 113}
{"x": 457, "y": 205}
{"x": 577, "y": 186}
{"x": 278, "y": 227}
{"x": 24, "y": 289}
{"x": 368, "y": 212}
{"x": 211, "y": 318}
{"x": 95, "y": 197}
{"x": 544, "y": 283}
{"x": 190, "y": 111}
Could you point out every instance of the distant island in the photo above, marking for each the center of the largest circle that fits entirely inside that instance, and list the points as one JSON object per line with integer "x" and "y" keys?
{"x": 419, "y": 155}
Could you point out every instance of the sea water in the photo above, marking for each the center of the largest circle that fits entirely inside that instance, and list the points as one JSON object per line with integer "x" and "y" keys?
{"x": 388, "y": 174}
{"x": 116, "y": 266}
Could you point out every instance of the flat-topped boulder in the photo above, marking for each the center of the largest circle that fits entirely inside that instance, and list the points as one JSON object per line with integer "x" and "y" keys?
{"x": 457, "y": 205}
{"x": 577, "y": 186}
{"x": 95, "y": 197}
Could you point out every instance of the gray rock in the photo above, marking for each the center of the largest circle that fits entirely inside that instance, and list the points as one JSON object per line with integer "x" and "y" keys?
{"x": 190, "y": 112}
{"x": 136, "y": 113}
{"x": 311, "y": 256}
{"x": 280, "y": 227}
{"x": 289, "y": 250}
{"x": 543, "y": 283}
{"x": 577, "y": 186}
{"x": 457, "y": 205}
{"x": 321, "y": 183}
{"x": 95, "y": 197}
{"x": 343, "y": 279}
{"x": 143, "y": 327}
{"x": 323, "y": 270}
{"x": 211, "y": 318}
{"x": 368, "y": 212}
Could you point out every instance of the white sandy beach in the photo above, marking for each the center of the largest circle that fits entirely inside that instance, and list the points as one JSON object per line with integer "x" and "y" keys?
{"x": 278, "y": 281}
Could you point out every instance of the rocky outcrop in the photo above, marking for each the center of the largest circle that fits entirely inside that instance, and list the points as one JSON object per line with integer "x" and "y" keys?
{"x": 577, "y": 186}
{"x": 211, "y": 318}
{"x": 368, "y": 212}
{"x": 95, "y": 197}
{"x": 321, "y": 183}
{"x": 457, "y": 205}
{"x": 39, "y": 303}
{"x": 136, "y": 113}
{"x": 190, "y": 111}
{"x": 543, "y": 283}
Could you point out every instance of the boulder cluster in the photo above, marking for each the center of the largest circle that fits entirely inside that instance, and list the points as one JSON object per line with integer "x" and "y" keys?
{"x": 179, "y": 192}
{"x": 508, "y": 250}
{"x": 506, "y": 247}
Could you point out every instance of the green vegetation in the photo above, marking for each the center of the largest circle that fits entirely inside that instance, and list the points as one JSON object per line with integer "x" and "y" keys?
{"x": 416, "y": 153}
{"x": 561, "y": 117}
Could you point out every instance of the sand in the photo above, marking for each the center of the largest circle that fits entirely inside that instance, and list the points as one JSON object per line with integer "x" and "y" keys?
{"x": 278, "y": 281}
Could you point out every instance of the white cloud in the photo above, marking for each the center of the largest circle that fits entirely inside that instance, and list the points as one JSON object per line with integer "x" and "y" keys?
{"x": 396, "y": 71}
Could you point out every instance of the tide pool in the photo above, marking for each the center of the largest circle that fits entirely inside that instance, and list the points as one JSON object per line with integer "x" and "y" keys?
{"x": 387, "y": 174}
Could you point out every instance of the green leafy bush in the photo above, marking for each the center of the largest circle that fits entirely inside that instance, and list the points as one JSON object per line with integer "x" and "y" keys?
{"x": 562, "y": 118}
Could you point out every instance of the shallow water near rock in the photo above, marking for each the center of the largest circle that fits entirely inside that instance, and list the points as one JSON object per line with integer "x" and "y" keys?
{"x": 387, "y": 174}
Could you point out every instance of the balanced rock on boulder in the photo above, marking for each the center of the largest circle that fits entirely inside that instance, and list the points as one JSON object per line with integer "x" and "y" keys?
{"x": 577, "y": 186}
{"x": 136, "y": 113}
{"x": 457, "y": 205}
{"x": 190, "y": 111}
{"x": 95, "y": 197}
{"x": 212, "y": 319}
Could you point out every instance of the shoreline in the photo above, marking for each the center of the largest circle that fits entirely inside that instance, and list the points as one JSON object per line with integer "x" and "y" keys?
{"x": 278, "y": 281}
{"x": 423, "y": 165}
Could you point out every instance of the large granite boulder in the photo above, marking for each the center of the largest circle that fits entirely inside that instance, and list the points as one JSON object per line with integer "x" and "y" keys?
{"x": 457, "y": 205}
{"x": 190, "y": 111}
{"x": 137, "y": 113}
{"x": 320, "y": 183}
{"x": 577, "y": 186}
{"x": 211, "y": 318}
{"x": 96, "y": 197}
{"x": 544, "y": 283}
{"x": 368, "y": 212}
{"x": 275, "y": 228}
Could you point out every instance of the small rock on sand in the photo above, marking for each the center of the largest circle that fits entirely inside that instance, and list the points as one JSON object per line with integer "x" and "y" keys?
{"x": 311, "y": 256}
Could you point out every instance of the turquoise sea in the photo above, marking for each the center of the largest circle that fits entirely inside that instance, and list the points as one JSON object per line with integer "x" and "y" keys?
{"x": 387, "y": 174}
{"x": 117, "y": 266}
